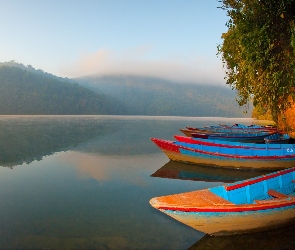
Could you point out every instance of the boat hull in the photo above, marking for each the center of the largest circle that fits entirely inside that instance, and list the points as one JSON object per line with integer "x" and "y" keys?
{"x": 257, "y": 204}
{"x": 230, "y": 223}
{"x": 230, "y": 144}
{"x": 176, "y": 152}
{"x": 253, "y": 138}
{"x": 227, "y": 162}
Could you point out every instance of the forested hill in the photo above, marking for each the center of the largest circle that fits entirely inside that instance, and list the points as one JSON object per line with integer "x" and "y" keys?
{"x": 152, "y": 96}
{"x": 25, "y": 92}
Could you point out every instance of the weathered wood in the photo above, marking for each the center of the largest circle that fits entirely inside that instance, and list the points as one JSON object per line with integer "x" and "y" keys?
{"x": 221, "y": 211}
{"x": 276, "y": 194}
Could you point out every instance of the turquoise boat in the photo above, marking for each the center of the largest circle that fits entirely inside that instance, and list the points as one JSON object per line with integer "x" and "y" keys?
{"x": 257, "y": 204}
{"x": 277, "y": 138}
{"x": 228, "y": 157}
{"x": 229, "y": 144}
{"x": 240, "y": 137}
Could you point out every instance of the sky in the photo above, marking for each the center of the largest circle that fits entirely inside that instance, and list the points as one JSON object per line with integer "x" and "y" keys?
{"x": 171, "y": 39}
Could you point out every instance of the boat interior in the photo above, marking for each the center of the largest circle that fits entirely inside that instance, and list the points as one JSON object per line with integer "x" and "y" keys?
{"x": 263, "y": 189}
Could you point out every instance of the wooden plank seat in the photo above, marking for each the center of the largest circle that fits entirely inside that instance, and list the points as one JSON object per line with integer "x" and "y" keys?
{"x": 276, "y": 194}
{"x": 268, "y": 201}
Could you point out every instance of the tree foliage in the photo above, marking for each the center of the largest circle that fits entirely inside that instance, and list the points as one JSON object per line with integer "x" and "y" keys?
{"x": 258, "y": 51}
{"x": 261, "y": 113}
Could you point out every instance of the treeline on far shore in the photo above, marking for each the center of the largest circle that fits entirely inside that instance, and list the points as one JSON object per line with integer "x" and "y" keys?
{"x": 25, "y": 90}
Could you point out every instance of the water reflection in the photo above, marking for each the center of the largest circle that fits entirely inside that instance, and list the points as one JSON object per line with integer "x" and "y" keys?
{"x": 106, "y": 168}
{"x": 86, "y": 182}
{"x": 278, "y": 239}
{"x": 198, "y": 172}
{"x": 25, "y": 139}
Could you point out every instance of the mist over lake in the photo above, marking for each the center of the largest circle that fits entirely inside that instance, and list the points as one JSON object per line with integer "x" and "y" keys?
{"x": 84, "y": 182}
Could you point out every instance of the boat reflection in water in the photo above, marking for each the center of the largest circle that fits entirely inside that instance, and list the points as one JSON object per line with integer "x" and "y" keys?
{"x": 277, "y": 239}
{"x": 199, "y": 172}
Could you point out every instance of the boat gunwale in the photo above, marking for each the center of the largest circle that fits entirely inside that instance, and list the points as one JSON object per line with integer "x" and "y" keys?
{"x": 235, "y": 156}
{"x": 273, "y": 204}
{"x": 243, "y": 136}
{"x": 258, "y": 179}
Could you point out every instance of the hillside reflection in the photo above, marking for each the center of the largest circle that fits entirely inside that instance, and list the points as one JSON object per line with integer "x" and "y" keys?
{"x": 25, "y": 139}
{"x": 277, "y": 239}
{"x": 198, "y": 172}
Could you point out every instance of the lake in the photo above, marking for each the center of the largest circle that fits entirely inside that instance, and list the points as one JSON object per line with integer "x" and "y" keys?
{"x": 84, "y": 182}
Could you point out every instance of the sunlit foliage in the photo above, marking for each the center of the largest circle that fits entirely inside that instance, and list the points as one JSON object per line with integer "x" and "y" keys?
{"x": 258, "y": 51}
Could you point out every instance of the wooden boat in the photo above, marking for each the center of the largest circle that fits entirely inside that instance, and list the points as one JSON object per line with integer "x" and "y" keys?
{"x": 241, "y": 137}
{"x": 199, "y": 172}
{"x": 231, "y": 144}
{"x": 237, "y": 127}
{"x": 224, "y": 129}
{"x": 277, "y": 138}
{"x": 189, "y": 132}
{"x": 256, "y": 204}
{"x": 228, "y": 134}
{"x": 229, "y": 157}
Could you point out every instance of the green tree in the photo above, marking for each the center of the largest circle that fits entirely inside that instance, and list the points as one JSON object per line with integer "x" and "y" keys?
{"x": 258, "y": 51}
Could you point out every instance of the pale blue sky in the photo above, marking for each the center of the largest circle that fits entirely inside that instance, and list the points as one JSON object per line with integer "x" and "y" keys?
{"x": 173, "y": 39}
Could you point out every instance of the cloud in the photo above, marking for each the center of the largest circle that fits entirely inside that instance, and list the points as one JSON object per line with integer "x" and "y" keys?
{"x": 105, "y": 168}
{"x": 138, "y": 62}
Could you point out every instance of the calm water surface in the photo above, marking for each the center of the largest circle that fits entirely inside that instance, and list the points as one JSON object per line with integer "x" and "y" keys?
{"x": 84, "y": 182}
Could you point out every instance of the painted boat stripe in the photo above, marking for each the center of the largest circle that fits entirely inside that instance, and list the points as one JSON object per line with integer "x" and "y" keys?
{"x": 258, "y": 179}
{"x": 229, "y": 208}
{"x": 238, "y": 156}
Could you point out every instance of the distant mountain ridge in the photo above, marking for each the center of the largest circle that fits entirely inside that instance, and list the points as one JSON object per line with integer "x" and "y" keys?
{"x": 153, "y": 96}
{"x": 25, "y": 90}
{"x": 25, "y": 93}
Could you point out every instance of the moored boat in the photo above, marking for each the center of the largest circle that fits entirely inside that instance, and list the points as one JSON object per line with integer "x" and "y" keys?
{"x": 241, "y": 137}
{"x": 237, "y": 127}
{"x": 225, "y": 129}
{"x": 229, "y": 157}
{"x": 277, "y": 138}
{"x": 230, "y": 144}
{"x": 256, "y": 204}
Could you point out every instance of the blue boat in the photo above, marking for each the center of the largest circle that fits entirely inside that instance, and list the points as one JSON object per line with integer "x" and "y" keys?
{"x": 277, "y": 138}
{"x": 225, "y": 129}
{"x": 229, "y": 157}
{"x": 240, "y": 137}
{"x": 257, "y": 204}
{"x": 238, "y": 144}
